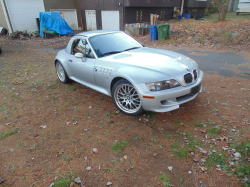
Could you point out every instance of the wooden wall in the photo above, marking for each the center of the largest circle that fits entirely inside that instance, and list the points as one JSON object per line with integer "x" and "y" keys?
{"x": 198, "y": 11}
{"x": 198, "y": 4}
{"x": 127, "y": 11}
{"x": 152, "y": 3}
{"x": 130, "y": 13}
{"x": 98, "y": 6}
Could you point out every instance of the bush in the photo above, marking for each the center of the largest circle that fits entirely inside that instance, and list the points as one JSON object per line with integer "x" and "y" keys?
{"x": 212, "y": 9}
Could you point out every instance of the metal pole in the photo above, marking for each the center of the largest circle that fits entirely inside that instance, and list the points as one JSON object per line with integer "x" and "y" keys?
{"x": 182, "y": 4}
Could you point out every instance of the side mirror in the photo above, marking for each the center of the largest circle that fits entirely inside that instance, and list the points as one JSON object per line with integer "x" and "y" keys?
{"x": 80, "y": 55}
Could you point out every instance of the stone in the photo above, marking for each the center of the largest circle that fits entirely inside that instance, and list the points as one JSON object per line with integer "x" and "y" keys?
{"x": 77, "y": 180}
{"x": 95, "y": 150}
{"x": 225, "y": 148}
{"x": 245, "y": 179}
{"x": 109, "y": 183}
{"x": 88, "y": 168}
{"x": 170, "y": 168}
{"x": 231, "y": 163}
{"x": 235, "y": 34}
{"x": 237, "y": 155}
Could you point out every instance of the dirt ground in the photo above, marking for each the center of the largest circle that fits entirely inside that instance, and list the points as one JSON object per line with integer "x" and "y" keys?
{"x": 59, "y": 125}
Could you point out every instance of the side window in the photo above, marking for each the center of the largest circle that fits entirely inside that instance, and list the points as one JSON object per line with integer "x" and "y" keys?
{"x": 82, "y": 46}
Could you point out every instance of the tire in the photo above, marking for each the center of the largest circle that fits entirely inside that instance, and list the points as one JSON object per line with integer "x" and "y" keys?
{"x": 0, "y": 50}
{"x": 237, "y": 13}
{"x": 61, "y": 73}
{"x": 126, "y": 98}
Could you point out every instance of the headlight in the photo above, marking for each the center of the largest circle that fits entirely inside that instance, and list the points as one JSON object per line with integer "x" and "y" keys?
{"x": 162, "y": 85}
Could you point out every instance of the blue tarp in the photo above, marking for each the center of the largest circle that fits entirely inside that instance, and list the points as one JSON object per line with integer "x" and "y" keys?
{"x": 54, "y": 21}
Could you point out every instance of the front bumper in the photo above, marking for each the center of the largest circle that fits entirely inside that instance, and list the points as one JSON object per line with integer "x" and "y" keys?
{"x": 167, "y": 100}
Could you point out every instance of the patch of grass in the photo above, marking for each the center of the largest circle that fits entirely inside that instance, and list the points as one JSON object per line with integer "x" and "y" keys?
{"x": 21, "y": 144}
{"x": 218, "y": 158}
{"x": 213, "y": 131}
{"x": 198, "y": 125}
{"x": 210, "y": 121}
{"x": 106, "y": 132}
{"x": 230, "y": 15}
{"x": 64, "y": 181}
{"x": 131, "y": 164}
{"x": 243, "y": 148}
{"x": 118, "y": 146}
{"x": 183, "y": 150}
{"x": 154, "y": 140}
{"x": 5, "y": 135}
{"x": 150, "y": 114}
{"x": 227, "y": 38}
{"x": 75, "y": 111}
{"x": 201, "y": 39}
{"x": 193, "y": 142}
{"x": 165, "y": 180}
{"x": 151, "y": 133}
{"x": 72, "y": 88}
{"x": 179, "y": 150}
{"x": 176, "y": 121}
{"x": 215, "y": 33}
{"x": 138, "y": 137}
{"x": 243, "y": 168}
{"x": 67, "y": 157}
{"x": 214, "y": 110}
{"x": 108, "y": 114}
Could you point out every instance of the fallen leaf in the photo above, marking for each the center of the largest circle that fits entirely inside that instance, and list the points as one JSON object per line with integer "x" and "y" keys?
{"x": 203, "y": 168}
{"x": 61, "y": 152}
{"x": 223, "y": 138}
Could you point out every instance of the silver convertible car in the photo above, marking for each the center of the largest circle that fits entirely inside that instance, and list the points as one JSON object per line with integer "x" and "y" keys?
{"x": 137, "y": 78}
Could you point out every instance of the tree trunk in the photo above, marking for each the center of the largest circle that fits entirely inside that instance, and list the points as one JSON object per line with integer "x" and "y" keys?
{"x": 222, "y": 7}
{"x": 222, "y": 14}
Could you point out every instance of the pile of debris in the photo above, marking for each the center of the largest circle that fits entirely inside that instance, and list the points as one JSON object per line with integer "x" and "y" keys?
{"x": 24, "y": 35}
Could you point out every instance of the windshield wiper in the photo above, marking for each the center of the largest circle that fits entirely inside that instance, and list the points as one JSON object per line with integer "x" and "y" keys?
{"x": 132, "y": 48}
{"x": 109, "y": 53}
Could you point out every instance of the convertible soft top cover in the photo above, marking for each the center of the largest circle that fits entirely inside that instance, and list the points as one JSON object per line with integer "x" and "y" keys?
{"x": 54, "y": 21}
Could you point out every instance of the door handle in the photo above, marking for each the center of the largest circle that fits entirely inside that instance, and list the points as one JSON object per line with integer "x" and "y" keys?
{"x": 70, "y": 61}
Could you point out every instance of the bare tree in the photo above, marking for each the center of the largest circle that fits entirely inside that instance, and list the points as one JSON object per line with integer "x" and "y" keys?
{"x": 222, "y": 7}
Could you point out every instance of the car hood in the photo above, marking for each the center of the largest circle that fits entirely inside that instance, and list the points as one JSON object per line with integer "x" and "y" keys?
{"x": 167, "y": 62}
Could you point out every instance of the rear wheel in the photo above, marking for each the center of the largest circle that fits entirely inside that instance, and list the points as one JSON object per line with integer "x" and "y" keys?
{"x": 237, "y": 13}
{"x": 126, "y": 98}
{"x": 61, "y": 73}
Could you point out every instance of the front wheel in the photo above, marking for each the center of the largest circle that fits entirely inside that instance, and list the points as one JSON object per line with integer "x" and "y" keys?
{"x": 237, "y": 13}
{"x": 61, "y": 73}
{"x": 126, "y": 98}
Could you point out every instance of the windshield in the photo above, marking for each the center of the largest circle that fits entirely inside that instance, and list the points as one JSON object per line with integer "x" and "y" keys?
{"x": 112, "y": 43}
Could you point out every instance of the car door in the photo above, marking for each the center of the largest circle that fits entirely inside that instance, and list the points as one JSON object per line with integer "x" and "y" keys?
{"x": 82, "y": 68}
